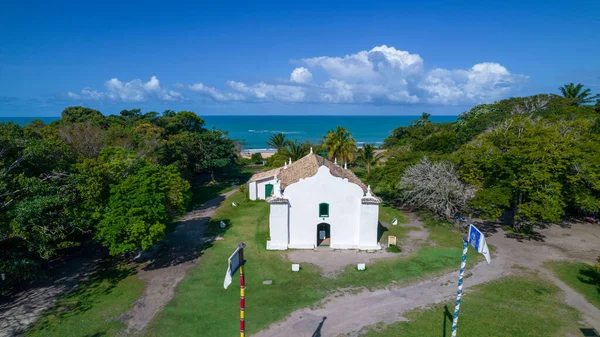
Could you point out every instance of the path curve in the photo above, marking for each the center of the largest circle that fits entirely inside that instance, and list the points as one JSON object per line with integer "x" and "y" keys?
{"x": 389, "y": 305}
{"x": 178, "y": 253}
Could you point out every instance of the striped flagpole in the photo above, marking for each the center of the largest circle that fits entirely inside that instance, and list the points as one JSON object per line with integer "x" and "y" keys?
{"x": 460, "y": 285}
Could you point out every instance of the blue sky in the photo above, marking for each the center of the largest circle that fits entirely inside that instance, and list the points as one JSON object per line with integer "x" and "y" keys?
{"x": 283, "y": 57}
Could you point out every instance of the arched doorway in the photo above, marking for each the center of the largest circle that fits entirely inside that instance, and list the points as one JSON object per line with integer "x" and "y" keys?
{"x": 323, "y": 234}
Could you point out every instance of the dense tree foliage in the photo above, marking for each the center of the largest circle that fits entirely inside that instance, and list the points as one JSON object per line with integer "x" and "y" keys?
{"x": 118, "y": 179}
{"x": 531, "y": 159}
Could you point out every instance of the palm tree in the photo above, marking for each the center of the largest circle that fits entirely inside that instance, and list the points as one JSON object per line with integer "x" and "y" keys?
{"x": 424, "y": 120}
{"x": 277, "y": 141}
{"x": 293, "y": 150}
{"x": 340, "y": 144}
{"x": 368, "y": 158}
{"x": 578, "y": 94}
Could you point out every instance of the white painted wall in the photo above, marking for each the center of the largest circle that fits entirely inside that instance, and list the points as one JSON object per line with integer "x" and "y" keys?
{"x": 252, "y": 190}
{"x": 278, "y": 226}
{"x": 260, "y": 187}
{"x": 367, "y": 235}
{"x": 256, "y": 189}
{"x": 344, "y": 199}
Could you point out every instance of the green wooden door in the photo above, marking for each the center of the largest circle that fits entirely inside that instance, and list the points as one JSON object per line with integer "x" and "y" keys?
{"x": 268, "y": 190}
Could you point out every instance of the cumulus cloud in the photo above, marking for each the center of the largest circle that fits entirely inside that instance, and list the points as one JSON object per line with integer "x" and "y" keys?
{"x": 381, "y": 75}
{"x": 483, "y": 82}
{"x": 301, "y": 75}
{"x": 133, "y": 91}
{"x": 378, "y": 63}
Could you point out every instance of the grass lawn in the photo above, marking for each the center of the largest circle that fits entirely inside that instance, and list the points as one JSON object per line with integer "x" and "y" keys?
{"x": 525, "y": 306}
{"x": 201, "y": 307}
{"x": 388, "y": 213}
{"x": 94, "y": 307}
{"x": 580, "y": 277}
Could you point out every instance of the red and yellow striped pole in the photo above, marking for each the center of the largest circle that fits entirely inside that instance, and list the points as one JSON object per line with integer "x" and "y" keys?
{"x": 242, "y": 294}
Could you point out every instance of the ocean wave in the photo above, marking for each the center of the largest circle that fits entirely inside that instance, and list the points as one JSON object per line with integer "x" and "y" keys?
{"x": 275, "y": 131}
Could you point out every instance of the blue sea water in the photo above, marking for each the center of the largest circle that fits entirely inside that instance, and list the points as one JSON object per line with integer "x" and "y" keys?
{"x": 254, "y": 131}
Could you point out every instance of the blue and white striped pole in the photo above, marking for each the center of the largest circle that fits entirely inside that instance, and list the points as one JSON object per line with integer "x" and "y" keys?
{"x": 460, "y": 285}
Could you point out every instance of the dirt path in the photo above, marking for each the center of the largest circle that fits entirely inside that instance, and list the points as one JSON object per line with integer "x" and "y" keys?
{"x": 415, "y": 239}
{"x": 18, "y": 312}
{"x": 177, "y": 254}
{"x": 333, "y": 318}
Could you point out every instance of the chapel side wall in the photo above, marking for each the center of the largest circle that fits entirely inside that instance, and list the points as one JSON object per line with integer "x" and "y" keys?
{"x": 252, "y": 190}
{"x": 344, "y": 200}
{"x": 369, "y": 218}
{"x": 260, "y": 187}
{"x": 278, "y": 226}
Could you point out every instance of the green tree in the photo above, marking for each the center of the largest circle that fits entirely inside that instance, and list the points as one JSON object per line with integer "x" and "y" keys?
{"x": 424, "y": 120}
{"x": 368, "y": 157}
{"x": 340, "y": 144}
{"x": 216, "y": 152}
{"x": 293, "y": 150}
{"x": 79, "y": 114}
{"x": 277, "y": 141}
{"x": 523, "y": 163}
{"x": 578, "y": 94}
{"x": 140, "y": 207}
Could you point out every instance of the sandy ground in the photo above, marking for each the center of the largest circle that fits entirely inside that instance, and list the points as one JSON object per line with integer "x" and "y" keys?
{"x": 265, "y": 155}
{"x": 331, "y": 317}
{"x": 332, "y": 261}
{"x": 179, "y": 252}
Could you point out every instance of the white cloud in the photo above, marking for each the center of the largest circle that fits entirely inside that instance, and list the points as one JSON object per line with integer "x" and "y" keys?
{"x": 301, "y": 75}
{"x": 214, "y": 93}
{"x": 133, "y": 91}
{"x": 484, "y": 82}
{"x": 269, "y": 92}
{"x": 376, "y": 64}
{"x": 381, "y": 75}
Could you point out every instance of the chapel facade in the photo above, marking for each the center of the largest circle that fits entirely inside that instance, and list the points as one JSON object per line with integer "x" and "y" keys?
{"x": 317, "y": 203}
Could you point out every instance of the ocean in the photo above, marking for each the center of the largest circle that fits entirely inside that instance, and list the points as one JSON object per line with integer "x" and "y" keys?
{"x": 254, "y": 131}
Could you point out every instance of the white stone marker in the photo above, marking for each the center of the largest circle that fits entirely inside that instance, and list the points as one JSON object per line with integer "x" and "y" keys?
{"x": 295, "y": 267}
{"x": 361, "y": 266}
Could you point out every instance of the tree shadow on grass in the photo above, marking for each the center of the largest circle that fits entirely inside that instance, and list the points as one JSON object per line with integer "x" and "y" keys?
{"x": 188, "y": 242}
{"x": 204, "y": 190}
{"x": 105, "y": 277}
{"x": 590, "y": 276}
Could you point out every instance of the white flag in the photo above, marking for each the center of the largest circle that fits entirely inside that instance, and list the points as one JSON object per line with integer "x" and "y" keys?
{"x": 233, "y": 264}
{"x": 477, "y": 240}
{"x": 227, "y": 281}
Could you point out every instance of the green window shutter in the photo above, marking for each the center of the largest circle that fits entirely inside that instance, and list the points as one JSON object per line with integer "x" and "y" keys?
{"x": 323, "y": 210}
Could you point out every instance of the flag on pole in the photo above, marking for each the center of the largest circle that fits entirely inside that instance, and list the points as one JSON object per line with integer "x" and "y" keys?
{"x": 233, "y": 264}
{"x": 477, "y": 240}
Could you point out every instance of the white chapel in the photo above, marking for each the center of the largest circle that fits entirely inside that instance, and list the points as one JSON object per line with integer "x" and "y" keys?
{"x": 314, "y": 202}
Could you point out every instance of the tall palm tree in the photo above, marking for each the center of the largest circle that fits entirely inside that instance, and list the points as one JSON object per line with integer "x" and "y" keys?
{"x": 368, "y": 158}
{"x": 293, "y": 150}
{"x": 424, "y": 120}
{"x": 340, "y": 144}
{"x": 277, "y": 141}
{"x": 578, "y": 94}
